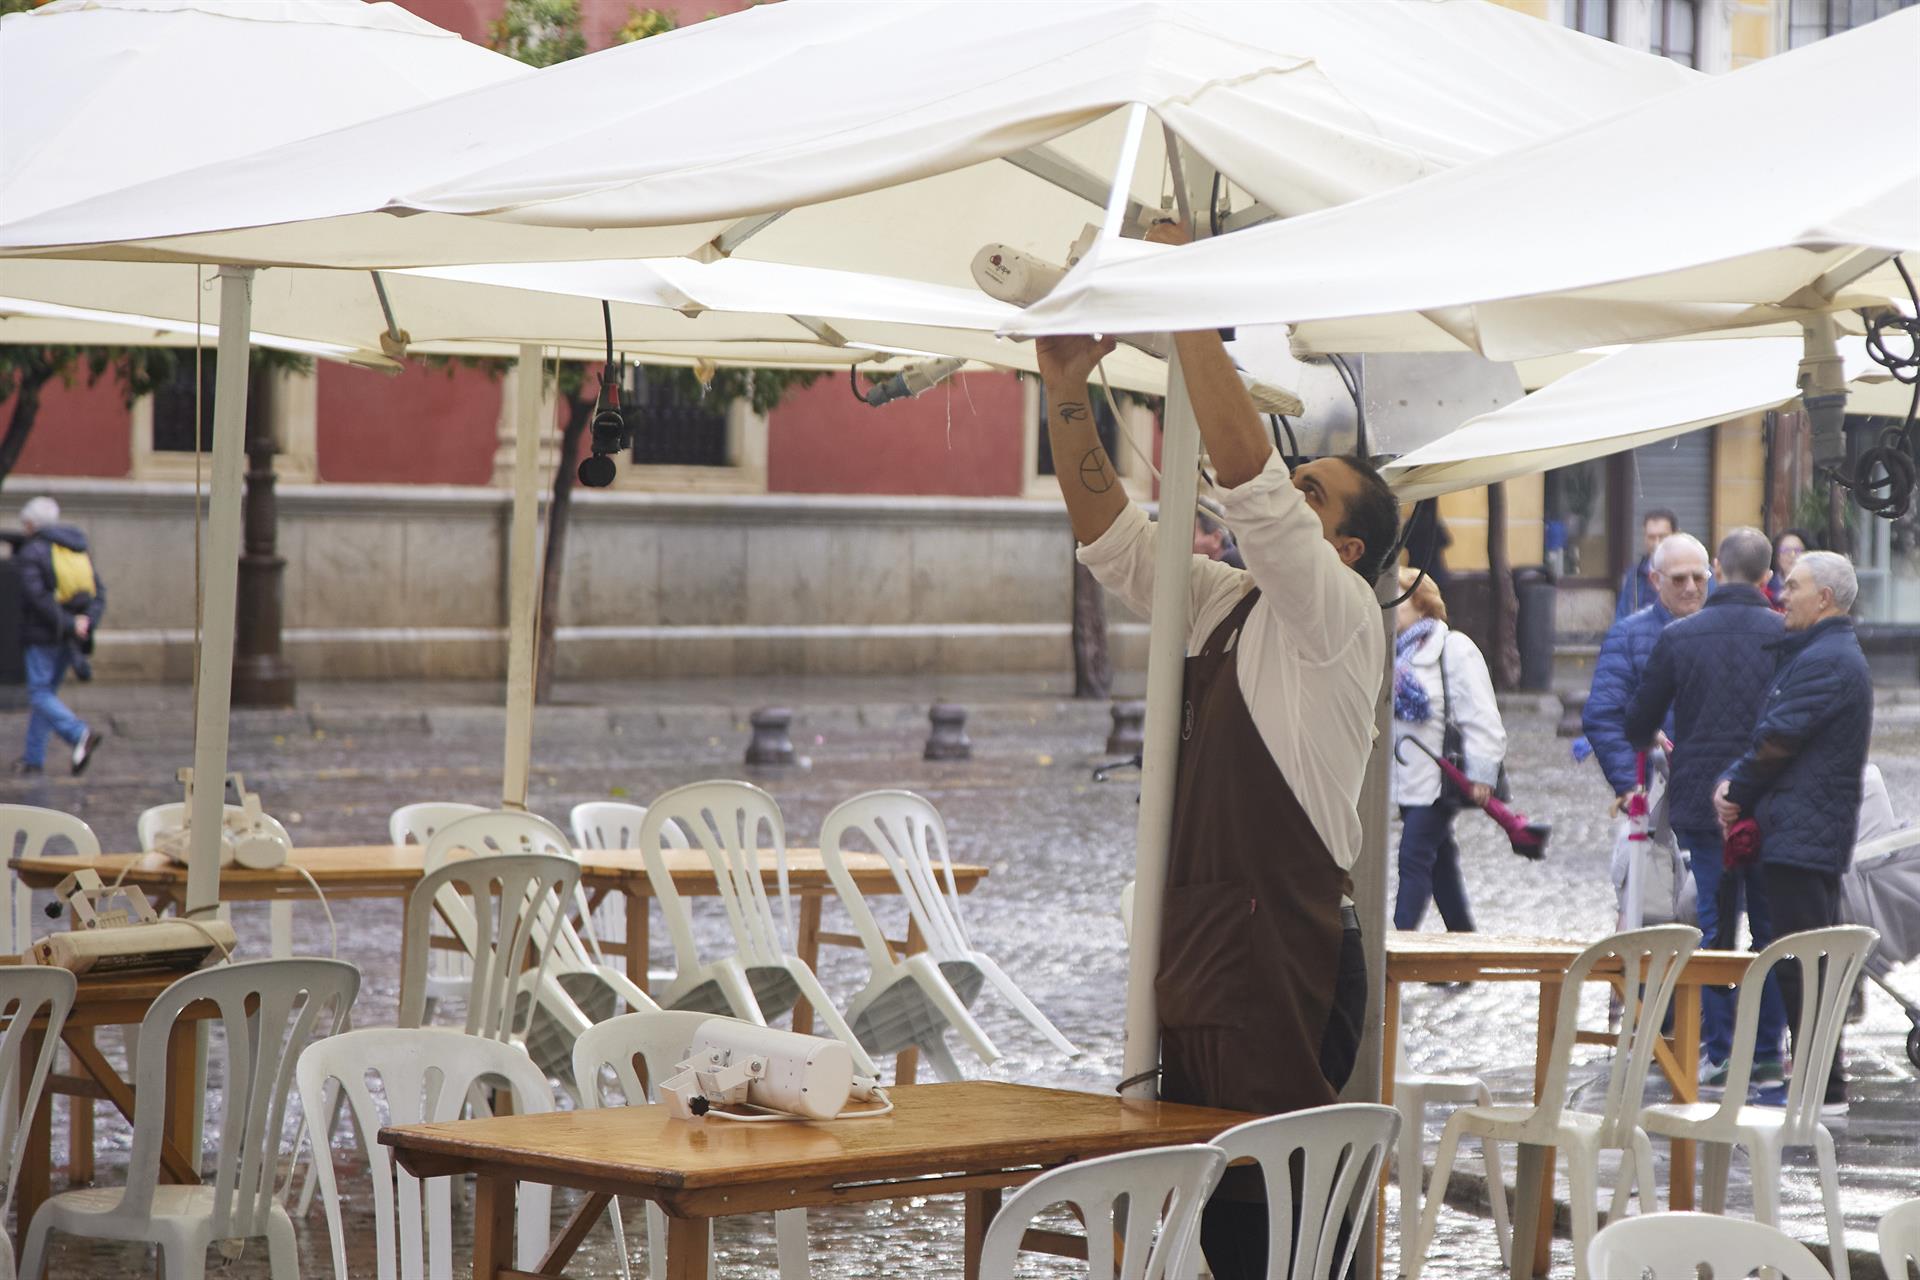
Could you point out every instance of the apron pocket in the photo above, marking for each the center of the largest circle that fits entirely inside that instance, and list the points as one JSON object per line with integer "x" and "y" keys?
{"x": 1205, "y": 952}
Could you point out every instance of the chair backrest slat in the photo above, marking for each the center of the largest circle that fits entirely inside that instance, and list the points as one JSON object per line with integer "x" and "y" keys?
{"x": 496, "y": 906}
{"x": 906, "y": 832}
{"x": 25, "y": 832}
{"x": 1672, "y": 1246}
{"x": 424, "y": 1075}
{"x": 1164, "y": 1189}
{"x": 658, "y": 1039}
{"x": 1900, "y": 1239}
{"x": 269, "y": 1010}
{"x": 727, "y": 821}
{"x": 1321, "y": 1167}
{"x": 1830, "y": 962}
{"x": 28, "y": 991}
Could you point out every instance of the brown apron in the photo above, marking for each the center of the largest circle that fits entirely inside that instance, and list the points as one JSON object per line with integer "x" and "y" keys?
{"x": 1251, "y": 924}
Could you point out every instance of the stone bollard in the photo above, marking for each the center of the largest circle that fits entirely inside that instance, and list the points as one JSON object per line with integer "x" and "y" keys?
{"x": 1129, "y": 734}
{"x": 1572, "y": 703}
{"x": 949, "y": 740}
{"x": 771, "y": 743}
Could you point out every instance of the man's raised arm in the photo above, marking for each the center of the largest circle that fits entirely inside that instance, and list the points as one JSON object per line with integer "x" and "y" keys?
{"x": 1080, "y": 463}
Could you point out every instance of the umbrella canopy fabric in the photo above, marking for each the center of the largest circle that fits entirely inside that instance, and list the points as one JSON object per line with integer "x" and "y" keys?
{"x": 1753, "y": 197}
{"x": 1637, "y": 396}
{"x": 24, "y": 322}
{"x": 910, "y": 163}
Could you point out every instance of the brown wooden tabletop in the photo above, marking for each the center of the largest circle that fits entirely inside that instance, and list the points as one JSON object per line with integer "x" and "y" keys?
{"x": 976, "y": 1137}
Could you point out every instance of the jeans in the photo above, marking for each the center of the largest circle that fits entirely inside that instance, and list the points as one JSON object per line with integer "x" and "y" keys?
{"x": 1803, "y": 899}
{"x": 1430, "y": 869}
{"x": 46, "y": 667}
{"x": 1704, "y": 850}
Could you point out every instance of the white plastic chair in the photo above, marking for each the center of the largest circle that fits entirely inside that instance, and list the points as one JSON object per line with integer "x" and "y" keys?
{"x": 577, "y": 988}
{"x": 1164, "y": 1188}
{"x": 1341, "y": 1149}
{"x": 613, "y": 824}
{"x": 659, "y": 1042}
{"x": 912, "y": 1000}
{"x": 493, "y": 905}
{"x": 26, "y": 992}
{"x": 270, "y": 1010}
{"x": 1672, "y": 1246}
{"x": 1900, "y": 1239}
{"x": 1766, "y": 1131}
{"x": 425, "y": 1075}
{"x": 1651, "y": 960}
{"x": 731, "y": 822}
{"x": 25, "y": 832}
{"x": 448, "y": 972}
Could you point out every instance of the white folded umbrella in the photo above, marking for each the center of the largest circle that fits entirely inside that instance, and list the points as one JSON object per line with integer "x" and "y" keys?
{"x": 1776, "y": 191}
{"x": 1637, "y": 396}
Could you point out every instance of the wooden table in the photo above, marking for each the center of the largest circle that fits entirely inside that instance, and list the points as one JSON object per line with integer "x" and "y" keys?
{"x": 107, "y": 1002}
{"x": 391, "y": 871}
{"x": 1481, "y": 957}
{"x": 974, "y": 1137}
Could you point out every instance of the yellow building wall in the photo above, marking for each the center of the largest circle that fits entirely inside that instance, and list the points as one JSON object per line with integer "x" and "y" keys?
{"x": 1465, "y": 514}
{"x": 1739, "y": 473}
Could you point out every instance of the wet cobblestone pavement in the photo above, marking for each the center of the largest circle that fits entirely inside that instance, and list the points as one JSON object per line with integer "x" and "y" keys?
{"x": 1059, "y": 847}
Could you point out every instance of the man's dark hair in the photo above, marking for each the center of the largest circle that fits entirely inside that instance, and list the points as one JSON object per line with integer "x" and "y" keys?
{"x": 1661, "y": 513}
{"x": 1373, "y": 516}
{"x": 1746, "y": 556}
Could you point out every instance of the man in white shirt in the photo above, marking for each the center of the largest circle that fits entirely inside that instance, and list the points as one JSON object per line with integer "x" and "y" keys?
{"x": 1262, "y": 984}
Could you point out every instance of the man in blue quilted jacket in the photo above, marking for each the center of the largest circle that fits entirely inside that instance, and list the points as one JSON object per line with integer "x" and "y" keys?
{"x": 1800, "y": 775}
{"x": 1679, "y": 569}
{"x": 1711, "y": 671}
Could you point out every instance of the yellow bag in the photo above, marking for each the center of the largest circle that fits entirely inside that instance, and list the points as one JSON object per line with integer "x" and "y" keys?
{"x": 72, "y": 573}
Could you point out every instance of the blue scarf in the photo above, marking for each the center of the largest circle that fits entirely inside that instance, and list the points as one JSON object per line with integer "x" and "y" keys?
{"x": 1410, "y": 700}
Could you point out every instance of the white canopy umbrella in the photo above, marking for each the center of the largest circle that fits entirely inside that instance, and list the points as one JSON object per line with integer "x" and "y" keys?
{"x": 875, "y": 159}
{"x": 1643, "y": 394}
{"x": 1762, "y": 195}
{"x": 25, "y": 322}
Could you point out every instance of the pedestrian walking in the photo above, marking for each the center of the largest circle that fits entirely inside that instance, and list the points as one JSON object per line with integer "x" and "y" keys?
{"x": 1800, "y": 777}
{"x": 1637, "y": 589}
{"x": 1679, "y": 571}
{"x": 1443, "y": 697}
{"x": 1262, "y": 977}
{"x": 62, "y": 599}
{"x": 1710, "y": 673}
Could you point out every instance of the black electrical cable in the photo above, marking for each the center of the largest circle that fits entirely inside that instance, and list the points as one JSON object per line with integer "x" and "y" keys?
{"x": 1885, "y": 474}
{"x": 853, "y": 382}
{"x": 1291, "y": 450}
{"x": 1213, "y": 204}
{"x": 1432, "y": 507}
{"x": 1352, "y": 383}
{"x": 606, "y": 318}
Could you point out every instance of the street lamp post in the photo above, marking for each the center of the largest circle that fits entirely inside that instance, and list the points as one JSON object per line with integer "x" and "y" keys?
{"x": 262, "y": 677}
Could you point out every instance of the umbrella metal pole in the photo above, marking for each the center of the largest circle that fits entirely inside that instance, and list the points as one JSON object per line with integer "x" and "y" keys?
{"x": 521, "y": 568}
{"x": 221, "y": 561}
{"x": 1370, "y": 904}
{"x": 1166, "y": 673}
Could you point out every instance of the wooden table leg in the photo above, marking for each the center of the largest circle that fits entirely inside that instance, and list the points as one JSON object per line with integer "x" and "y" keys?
{"x": 689, "y": 1245}
{"x": 1686, "y": 1088}
{"x": 80, "y": 1131}
{"x": 1541, "y": 1228}
{"x": 36, "y": 1161}
{"x": 638, "y": 932}
{"x": 183, "y": 1092}
{"x": 807, "y": 947}
{"x": 907, "y": 1065}
{"x": 493, "y": 1216}
{"x": 1532, "y": 1228}
{"x": 981, "y": 1206}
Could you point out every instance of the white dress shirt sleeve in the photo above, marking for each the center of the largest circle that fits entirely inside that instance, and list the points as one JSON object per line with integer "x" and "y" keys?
{"x": 1323, "y": 604}
{"x": 1121, "y": 560}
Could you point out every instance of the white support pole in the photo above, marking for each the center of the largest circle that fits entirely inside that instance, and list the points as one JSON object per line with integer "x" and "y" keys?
{"x": 1166, "y": 677}
{"x": 522, "y": 571}
{"x": 220, "y": 559}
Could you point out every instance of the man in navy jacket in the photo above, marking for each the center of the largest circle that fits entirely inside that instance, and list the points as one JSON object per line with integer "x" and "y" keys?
{"x": 1680, "y": 577}
{"x": 1711, "y": 671}
{"x": 1800, "y": 775}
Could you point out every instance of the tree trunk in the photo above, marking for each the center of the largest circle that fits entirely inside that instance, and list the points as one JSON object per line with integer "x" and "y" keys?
{"x": 579, "y": 413}
{"x": 1503, "y": 606}
{"x": 1092, "y": 671}
{"x": 26, "y": 408}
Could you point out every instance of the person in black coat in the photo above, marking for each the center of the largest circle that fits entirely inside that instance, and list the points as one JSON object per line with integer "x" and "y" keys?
{"x": 1712, "y": 671}
{"x": 1800, "y": 777}
{"x": 62, "y": 599}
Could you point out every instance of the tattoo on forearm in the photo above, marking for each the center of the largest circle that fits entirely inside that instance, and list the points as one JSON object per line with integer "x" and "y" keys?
{"x": 1096, "y": 474}
{"x": 1072, "y": 411}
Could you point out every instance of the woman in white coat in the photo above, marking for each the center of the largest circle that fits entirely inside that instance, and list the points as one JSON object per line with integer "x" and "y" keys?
{"x": 1439, "y": 678}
